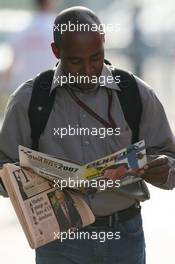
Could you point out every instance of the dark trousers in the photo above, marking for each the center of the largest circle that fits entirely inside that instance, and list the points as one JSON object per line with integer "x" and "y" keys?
{"x": 97, "y": 248}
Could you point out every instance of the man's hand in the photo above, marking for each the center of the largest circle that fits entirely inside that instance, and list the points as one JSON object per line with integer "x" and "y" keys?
{"x": 157, "y": 171}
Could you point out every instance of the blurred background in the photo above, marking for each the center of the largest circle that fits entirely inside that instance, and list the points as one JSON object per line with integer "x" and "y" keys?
{"x": 143, "y": 44}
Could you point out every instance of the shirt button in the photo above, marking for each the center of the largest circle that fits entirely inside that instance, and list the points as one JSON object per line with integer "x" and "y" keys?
{"x": 86, "y": 142}
{"x": 40, "y": 108}
{"x": 83, "y": 115}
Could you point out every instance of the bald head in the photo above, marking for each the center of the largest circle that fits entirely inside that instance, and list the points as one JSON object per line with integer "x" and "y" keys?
{"x": 79, "y": 44}
{"x": 75, "y": 19}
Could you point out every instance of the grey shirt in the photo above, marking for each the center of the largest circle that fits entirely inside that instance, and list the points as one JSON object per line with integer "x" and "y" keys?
{"x": 154, "y": 128}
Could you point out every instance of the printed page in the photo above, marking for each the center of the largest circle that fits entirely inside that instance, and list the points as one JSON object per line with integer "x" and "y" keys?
{"x": 42, "y": 209}
{"x": 47, "y": 166}
{"x": 123, "y": 165}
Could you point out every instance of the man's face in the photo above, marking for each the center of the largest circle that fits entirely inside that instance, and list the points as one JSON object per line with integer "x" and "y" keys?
{"x": 82, "y": 53}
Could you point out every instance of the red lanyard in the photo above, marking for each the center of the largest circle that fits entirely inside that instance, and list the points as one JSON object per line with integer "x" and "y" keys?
{"x": 105, "y": 123}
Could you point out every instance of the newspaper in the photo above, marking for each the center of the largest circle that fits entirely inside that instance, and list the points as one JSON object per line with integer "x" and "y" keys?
{"x": 44, "y": 210}
{"x": 124, "y": 165}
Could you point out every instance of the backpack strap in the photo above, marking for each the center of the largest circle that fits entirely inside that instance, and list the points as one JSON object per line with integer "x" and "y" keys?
{"x": 40, "y": 106}
{"x": 130, "y": 101}
{"x": 42, "y": 101}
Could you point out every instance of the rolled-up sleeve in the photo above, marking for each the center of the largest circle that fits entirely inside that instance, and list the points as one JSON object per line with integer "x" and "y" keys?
{"x": 156, "y": 131}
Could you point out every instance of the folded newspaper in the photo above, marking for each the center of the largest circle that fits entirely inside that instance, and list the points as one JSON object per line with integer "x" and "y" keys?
{"x": 43, "y": 208}
{"x": 44, "y": 211}
{"x": 123, "y": 165}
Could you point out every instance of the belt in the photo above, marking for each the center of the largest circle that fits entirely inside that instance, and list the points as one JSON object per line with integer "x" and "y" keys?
{"x": 120, "y": 216}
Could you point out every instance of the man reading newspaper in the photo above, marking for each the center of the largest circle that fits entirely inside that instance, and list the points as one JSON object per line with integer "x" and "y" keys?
{"x": 91, "y": 105}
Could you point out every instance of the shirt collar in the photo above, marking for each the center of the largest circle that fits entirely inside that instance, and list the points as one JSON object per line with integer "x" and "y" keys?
{"x": 107, "y": 79}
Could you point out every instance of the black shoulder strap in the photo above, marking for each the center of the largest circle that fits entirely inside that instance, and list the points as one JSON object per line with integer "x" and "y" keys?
{"x": 40, "y": 105}
{"x": 130, "y": 100}
{"x": 42, "y": 101}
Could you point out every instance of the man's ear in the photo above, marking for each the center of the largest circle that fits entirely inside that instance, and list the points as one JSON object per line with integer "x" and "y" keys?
{"x": 56, "y": 51}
